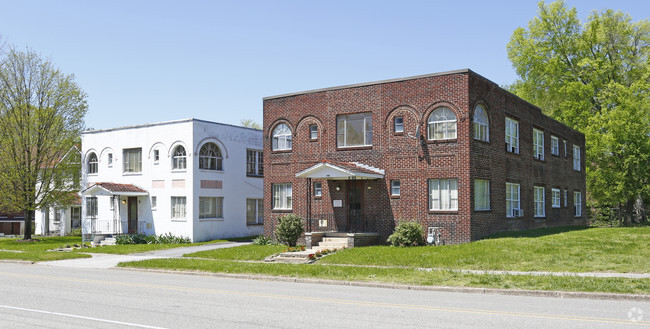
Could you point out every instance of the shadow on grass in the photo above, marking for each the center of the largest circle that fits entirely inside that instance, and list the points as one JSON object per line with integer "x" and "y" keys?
{"x": 536, "y": 233}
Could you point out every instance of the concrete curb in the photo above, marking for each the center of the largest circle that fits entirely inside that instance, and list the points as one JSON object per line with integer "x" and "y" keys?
{"x": 17, "y": 261}
{"x": 512, "y": 292}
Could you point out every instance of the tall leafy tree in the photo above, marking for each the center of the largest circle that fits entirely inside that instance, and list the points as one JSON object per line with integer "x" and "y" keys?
{"x": 595, "y": 78}
{"x": 41, "y": 119}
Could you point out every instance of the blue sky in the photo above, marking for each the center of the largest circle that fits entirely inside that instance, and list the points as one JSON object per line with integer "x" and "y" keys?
{"x": 149, "y": 61}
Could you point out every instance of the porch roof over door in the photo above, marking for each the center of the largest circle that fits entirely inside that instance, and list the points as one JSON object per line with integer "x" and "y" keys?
{"x": 114, "y": 189}
{"x": 334, "y": 170}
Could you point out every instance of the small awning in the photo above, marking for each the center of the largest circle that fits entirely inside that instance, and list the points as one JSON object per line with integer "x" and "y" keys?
{"x": 114, "y": 189}
{"x": 334, "y": 170}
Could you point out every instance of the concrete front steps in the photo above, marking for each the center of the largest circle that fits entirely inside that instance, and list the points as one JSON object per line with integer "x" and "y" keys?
{"x": 331, "y": 243}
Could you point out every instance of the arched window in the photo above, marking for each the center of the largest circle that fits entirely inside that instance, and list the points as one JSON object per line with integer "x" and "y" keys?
{"x": 210, "y": 157}
{"x": 179, "y": 158}
{"x": 92, "y": 163}
{"x": 281, "y": 137}
{"x": 441, "y": 124}
{"x": 481, "y": 124}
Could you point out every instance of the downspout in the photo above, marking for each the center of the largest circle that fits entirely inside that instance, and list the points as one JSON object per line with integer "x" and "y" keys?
{"x": 309, "y": 204}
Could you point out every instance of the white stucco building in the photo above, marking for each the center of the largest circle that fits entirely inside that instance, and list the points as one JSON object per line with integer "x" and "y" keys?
{"x": 192, "y": 178}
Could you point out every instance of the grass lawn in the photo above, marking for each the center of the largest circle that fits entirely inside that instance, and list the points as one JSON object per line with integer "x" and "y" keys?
{"x": 402, "y": 276}
{"x": 37, "y": 251}
{"x": 125, "y": 249}
{"x": 556, "y": 249}
{"x": 247, "y": 252}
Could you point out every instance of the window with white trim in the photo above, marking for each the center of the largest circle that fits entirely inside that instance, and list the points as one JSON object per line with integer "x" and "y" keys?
{"x": 110, "y": 159}
{"x": 156, "y": 156}
{"x": 210, "y": 157}
{"x": 154, "y": 202}
{"x": 481, "y": 124}
{"x": 210, "y": 207}
{"x": 254, "y": 163}
{"x": 540, "y": 202}
{"x": 91, "y": 207}
{"x": 512, "y": 135}
{"x": 254, "y": 211}
{"x": 512, "y": 200}
{"x": 93, "y": 163}
{"x": 441, "y": 124}
{"x": 555, "y": 145}
{"x": 178, "y": 204}
{"x": 281, "y": 138}
{"x": 398, "y": 124}
{"x": 538, "y": 144}
{"x": 576, "y": 157}
{"x": 318, "y": 189}
{"x": 395, "y": 187}
{"x": 313, "y": 132}
{"x": 179, "y": 158}
{"x": 577, "y": 203}
{"x": 555, "y": 198}
{"x": 481, "y": 194}
{"x": 443, "y": 194}
{"x": 132, "y": 160}
{"x": 354, "y": 130}
{"x": 282, "y": 195}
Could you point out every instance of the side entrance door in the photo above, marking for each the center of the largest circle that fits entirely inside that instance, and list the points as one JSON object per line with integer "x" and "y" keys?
{"x": 133, "y": 214}
{"x": 355, "y": 206}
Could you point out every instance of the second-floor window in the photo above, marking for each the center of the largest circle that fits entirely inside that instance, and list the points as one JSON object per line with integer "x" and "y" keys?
{"x": 555, "y": 146}
{"x": 179, "y": 160}
{"x": 354, "y": 130}
{"x": 281, "y": 138}
{"x": 313, "y": 132}
{"x": 92, "y": 163}
{"x": 132, "y": 160}
{"x": 210, "y": 157}
{"x": 512, "y": 135}
{"x": 441, "y": 124}
{"x": 538, "y": 144}
{"x": 398, "y": 124}
{"x": 576, "y": 157}
{"x": 481, "y": 124}
{"x": 254, "y": 165}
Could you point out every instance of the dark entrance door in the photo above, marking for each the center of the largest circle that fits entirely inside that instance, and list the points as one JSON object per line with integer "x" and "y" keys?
{"x": 355, "y": 206}
{"x": 133, "y": 214}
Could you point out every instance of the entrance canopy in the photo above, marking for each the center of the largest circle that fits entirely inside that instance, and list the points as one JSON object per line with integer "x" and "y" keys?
{"x": 114, "y": 189}
{"x": 334, "y": 170}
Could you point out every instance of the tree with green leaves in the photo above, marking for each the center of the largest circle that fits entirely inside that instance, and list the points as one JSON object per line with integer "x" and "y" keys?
{"x": 595, "y": 78}
{"x": 249, "y": 123}
{"x": 41, "y": 118}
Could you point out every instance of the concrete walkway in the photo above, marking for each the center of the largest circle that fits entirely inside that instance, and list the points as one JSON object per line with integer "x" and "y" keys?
{"x": 100, "y": 260}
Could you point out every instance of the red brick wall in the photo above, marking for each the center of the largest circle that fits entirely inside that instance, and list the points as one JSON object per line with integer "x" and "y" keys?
{"x": 404, "y": 158}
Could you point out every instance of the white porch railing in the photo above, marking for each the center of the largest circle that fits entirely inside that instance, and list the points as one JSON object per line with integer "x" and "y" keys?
{"x": 105, "y": 226}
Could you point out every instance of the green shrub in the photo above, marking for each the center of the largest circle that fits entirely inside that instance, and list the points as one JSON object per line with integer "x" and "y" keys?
{"x": 262, "y": 241}
{"x": 75, "y": 232}
{"x": 139, "y": 238}
{"x": 407, "y": 234}
{"x": 289, "y": 229}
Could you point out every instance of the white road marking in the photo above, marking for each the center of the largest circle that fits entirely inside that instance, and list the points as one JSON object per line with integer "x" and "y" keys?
{"x": 80, "y": 317}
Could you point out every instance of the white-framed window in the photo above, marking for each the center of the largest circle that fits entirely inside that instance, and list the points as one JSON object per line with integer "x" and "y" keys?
{"x": 513, "y": 208}
{"x": 538, "y": 144}
{"x": 178, "y": 207}
{"x": 210, "y": 207}
{"x": 395, "y": 187}
{"x": 282, "y": 196}
{"x": 156, "y": 156}
{"x": 132, "y": 160}
{"x": 481, "y": 194}
{"x": 179, "y": 158}
{"x": 540, "y": 201}
{"x": 313, "y": 132}
{"x": 481, "y": 124}
{"x": 318, "y": 189}
{"x": 154, "y": 202}
{"x": 354, "y": 130}
{"x": 110, "y": 159}
{"x": 398, "y": 124}
{"x": 443, "y": 194}
{"x": 210, "y": 157}
{"x": 57, "y": 215}
{"x": 566, "y": 198}
{"x": 577, "y": 203}
{"x": 254, "y": 163}
{"x": 281, "y": 138}
{"x": 91, "y": 207}
{"x": 93, "y": 163}
{"x": 565, "y": 148}
{"x": 512, "y": 135}
{"x": 254, "y": 211}
{"x": 555, "y": 198}
{"x": 555, "y": 145}
{"x": 576, "y": 157}
{"x": 441, "y": 124}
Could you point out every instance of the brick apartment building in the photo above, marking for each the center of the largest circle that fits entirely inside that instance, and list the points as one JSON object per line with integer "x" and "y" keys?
{"x": 356, "y": 159}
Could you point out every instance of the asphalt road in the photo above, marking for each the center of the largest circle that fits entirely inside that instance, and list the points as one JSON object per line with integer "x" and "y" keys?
{"x": 38, "y": 296}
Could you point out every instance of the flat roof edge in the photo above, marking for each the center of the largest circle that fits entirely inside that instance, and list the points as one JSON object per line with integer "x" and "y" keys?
{"x": 363, "y": 84}
{"x": 146, "y": 125}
